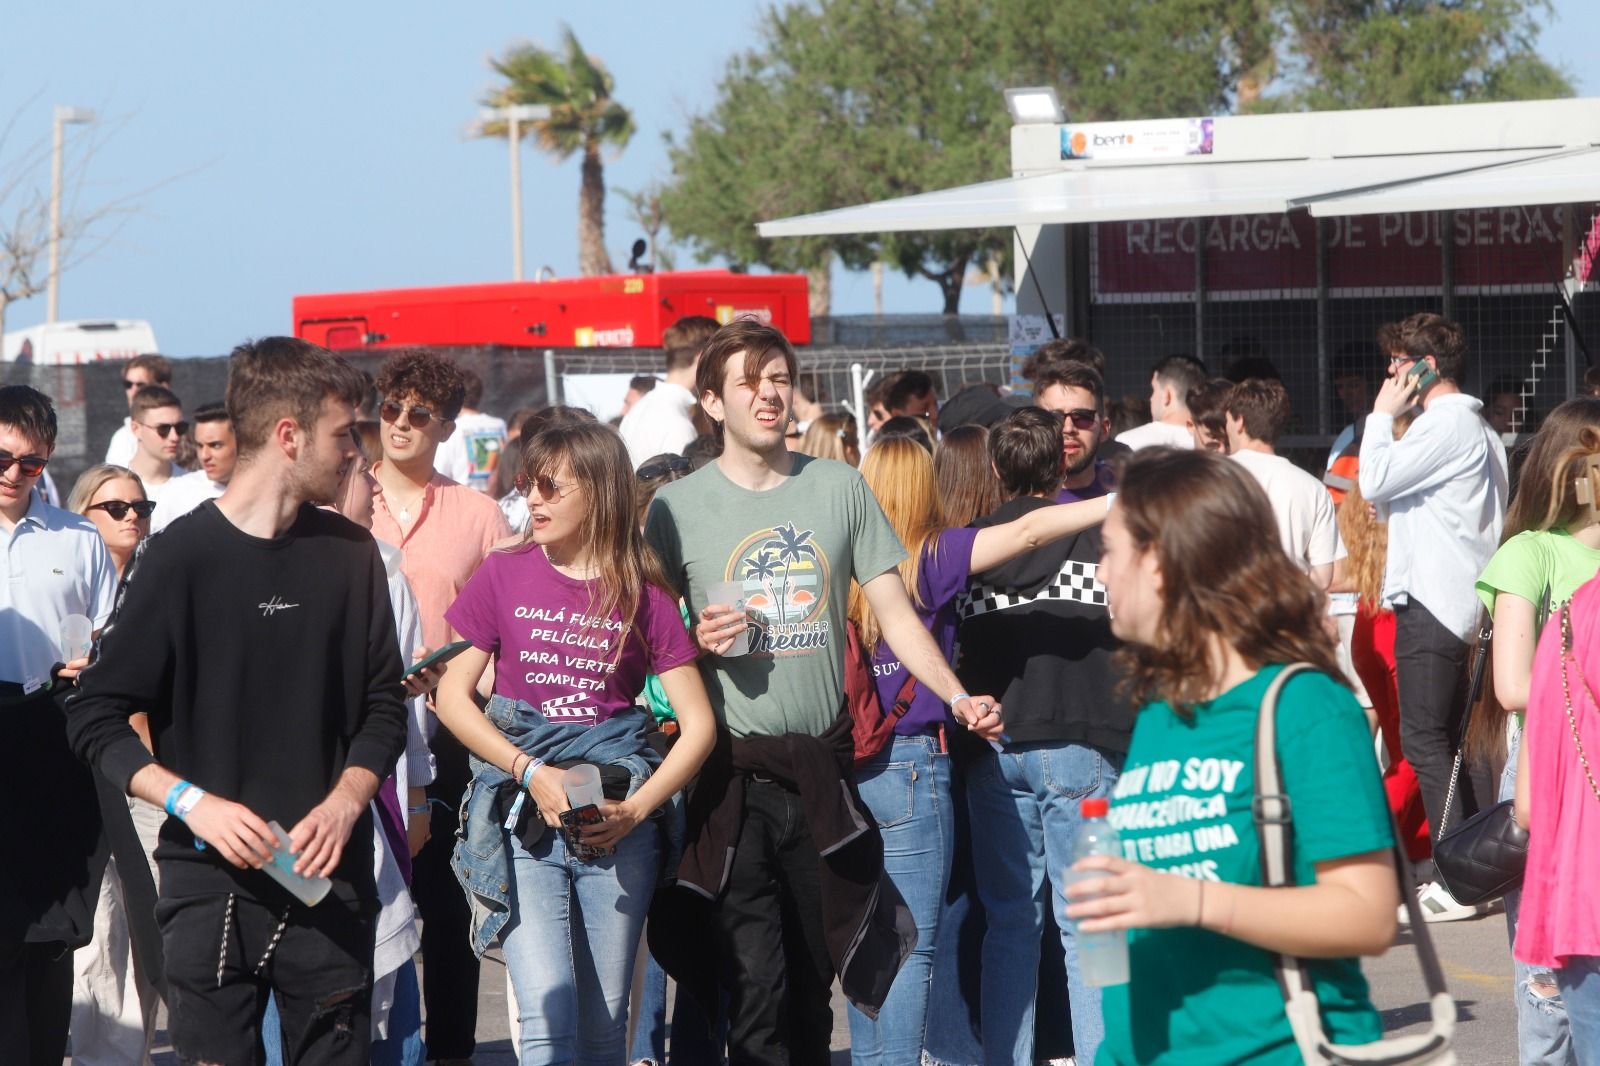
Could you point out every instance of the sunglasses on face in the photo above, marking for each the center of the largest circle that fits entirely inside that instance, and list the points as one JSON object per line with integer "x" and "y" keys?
{"x": 675, "y": 465}
{"x": 164, "y": 428}
{"x": 546, "y": 486}
{"x": 1081, "y": 417}
{"x": 418, "y": 415}
{"x": 129, "y": 386}
{"x": 28, "y": 465}
{"x": 118, "y": 509}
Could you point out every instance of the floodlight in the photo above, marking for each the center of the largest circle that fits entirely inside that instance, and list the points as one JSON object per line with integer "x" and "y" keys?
{"x": 1034, "y": 104}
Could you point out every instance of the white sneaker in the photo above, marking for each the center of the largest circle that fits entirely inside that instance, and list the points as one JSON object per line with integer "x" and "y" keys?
{"x": 1438, "y": 905}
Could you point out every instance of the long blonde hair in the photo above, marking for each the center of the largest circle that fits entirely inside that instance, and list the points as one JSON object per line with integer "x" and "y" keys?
{"x": 598, "y": 462}
{"x": 899, "y": 472}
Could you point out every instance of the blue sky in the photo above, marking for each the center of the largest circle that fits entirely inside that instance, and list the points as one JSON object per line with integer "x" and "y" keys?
{"x": 312, "y": 147}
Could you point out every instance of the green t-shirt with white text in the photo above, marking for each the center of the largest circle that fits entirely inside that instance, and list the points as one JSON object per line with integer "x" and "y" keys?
{"x": 794, "y": 549}
{"x": 1183, "y": 805}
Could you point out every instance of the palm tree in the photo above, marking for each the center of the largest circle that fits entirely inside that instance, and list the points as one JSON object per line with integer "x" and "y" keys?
{"x": 583, "y": 118}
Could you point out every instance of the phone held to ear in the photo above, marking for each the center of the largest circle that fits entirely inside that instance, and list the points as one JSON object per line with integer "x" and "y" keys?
{"x": 1424, "y": 377}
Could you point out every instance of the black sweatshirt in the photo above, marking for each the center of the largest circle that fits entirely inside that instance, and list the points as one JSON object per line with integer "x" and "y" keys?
{"x": 1036, "y": 633}
{"x": 267, "y": 667}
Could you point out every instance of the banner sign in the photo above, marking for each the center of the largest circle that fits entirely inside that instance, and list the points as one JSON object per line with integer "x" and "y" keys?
{"x": 1518, "y": 247}
{"x": 1160, "y": 139}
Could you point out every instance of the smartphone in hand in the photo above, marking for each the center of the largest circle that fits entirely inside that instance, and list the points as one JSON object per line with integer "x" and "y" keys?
{"x": 438, "y": 657}
{"x": 1424, "y": 377}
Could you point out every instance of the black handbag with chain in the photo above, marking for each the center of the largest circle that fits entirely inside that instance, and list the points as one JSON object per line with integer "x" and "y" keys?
{"x": 1483, "y": 858}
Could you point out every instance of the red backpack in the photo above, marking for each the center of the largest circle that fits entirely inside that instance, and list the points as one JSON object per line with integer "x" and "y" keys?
{"x": 872, "y": 727}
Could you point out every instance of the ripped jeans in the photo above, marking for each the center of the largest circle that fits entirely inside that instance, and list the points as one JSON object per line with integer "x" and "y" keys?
{"x": 1543, "y": 1036}
{"x": 223, "y": 962}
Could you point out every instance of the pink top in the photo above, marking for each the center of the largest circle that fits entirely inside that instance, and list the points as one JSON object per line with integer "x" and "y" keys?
{"x": 454, "y": 529}
{"x": 1560, "y": 913}
{"x": 551, "y": 651}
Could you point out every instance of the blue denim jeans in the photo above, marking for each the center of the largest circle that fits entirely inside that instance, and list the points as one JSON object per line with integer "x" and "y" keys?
{"x": 1024, "y": 804}
{"x": 403, "y": 1045}
{"x": 1543, "y": 1036}
{"x": 907, "y": 789}
{"x": 1580, "y": 988}
{"x": 570, "y": 943}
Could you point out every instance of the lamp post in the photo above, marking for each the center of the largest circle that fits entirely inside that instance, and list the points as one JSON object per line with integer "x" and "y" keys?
{"x": 514, "y": 116}
{"x": 63, "y": 115}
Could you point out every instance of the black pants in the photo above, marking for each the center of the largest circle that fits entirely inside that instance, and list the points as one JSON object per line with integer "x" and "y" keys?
{"x": 449, "y": 968}
{"x": 35, "y": 1002}
{"x": 1431, "y": 678}
{"x": 319, "y": 971}
{"x": 772, "y": 958}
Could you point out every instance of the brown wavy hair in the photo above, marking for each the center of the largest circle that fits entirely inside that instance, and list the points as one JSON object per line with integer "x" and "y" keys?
{"x": 1223, "y": 573}
{"x": 598, "y": 462}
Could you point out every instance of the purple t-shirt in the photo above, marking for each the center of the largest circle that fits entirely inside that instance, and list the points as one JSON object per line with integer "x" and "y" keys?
{"x": 1096, "y": 488}
{"x": 946, "y": 565}
{"x": 549, "y": 652}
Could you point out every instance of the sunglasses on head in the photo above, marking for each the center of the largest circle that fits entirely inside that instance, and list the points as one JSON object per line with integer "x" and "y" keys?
{"x": 29, "y": 465}
{"x": 418, "y": 415}
{"x": 164, "y": 428}
{"x": 118, "y": 509}
{"x": 1081, "y": 417}
{"x": 675, "y": 465}
{"x": 546, "y": 486}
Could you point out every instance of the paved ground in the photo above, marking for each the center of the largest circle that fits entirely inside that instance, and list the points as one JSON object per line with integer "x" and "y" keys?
{"x": 1476, "y": 962}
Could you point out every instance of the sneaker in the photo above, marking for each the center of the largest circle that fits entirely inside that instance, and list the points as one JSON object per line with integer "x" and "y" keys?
{"x": 1438, "y": 905}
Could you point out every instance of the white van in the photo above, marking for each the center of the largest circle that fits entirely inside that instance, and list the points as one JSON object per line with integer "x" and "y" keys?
{"x": 56, "y": 343}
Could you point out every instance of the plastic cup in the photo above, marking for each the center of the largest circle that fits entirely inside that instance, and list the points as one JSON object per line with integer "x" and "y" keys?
{"x": 308, "y": 890}
{"x": 77, "y": 637}
{"x": 733, "y": 593}
{"x": 581, "y": 783}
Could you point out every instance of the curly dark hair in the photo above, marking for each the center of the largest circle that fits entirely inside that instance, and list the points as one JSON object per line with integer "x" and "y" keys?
{"x": 431, "y": 379}
{"x": 1223, "y": 572}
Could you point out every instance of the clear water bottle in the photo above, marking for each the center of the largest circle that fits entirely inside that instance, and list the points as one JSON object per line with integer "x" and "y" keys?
{"x": 1102, "y": 957}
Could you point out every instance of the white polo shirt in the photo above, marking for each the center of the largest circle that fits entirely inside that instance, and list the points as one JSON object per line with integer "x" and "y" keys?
{"x": 123, "y": 447}
{"x": 56, "y": 565}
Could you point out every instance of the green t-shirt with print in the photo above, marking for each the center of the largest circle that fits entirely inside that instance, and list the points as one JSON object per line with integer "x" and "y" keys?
{"x": 1183, "y": 805}
{"x": 794, "y": 548}
{"x": 1537, "y": 562}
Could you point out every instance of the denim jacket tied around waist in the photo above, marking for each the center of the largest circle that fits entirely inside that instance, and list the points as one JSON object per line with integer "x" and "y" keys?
{"x": 482, "y": 856}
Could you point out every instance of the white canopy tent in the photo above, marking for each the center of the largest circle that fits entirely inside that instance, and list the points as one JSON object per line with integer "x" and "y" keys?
{"x": 1114, "y": 194}
{"x": 1066, "y": 178}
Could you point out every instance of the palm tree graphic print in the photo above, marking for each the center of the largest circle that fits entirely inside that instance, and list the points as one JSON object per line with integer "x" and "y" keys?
{"x": 789, "y": 573}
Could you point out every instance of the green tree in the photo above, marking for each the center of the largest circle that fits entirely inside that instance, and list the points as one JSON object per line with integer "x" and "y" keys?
{"x": 844, "y": 102}
{"x": 583, "y": 119}
{"x": 1397, "y": 53}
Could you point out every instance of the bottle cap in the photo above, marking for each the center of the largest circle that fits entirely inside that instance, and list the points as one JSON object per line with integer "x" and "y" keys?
{"x": 1094, "y": 808}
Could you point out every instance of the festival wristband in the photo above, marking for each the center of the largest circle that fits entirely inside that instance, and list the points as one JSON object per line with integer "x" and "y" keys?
{"x": 527, "y": 771}
{"x": 172, "y": 796}
{"x": 417, "y": 810}
{"x": 187, "y": 801}
{"x": 957, "y": 698}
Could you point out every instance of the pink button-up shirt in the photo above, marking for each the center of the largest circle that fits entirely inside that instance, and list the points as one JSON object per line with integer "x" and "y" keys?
{"x": 452, "y": 532}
